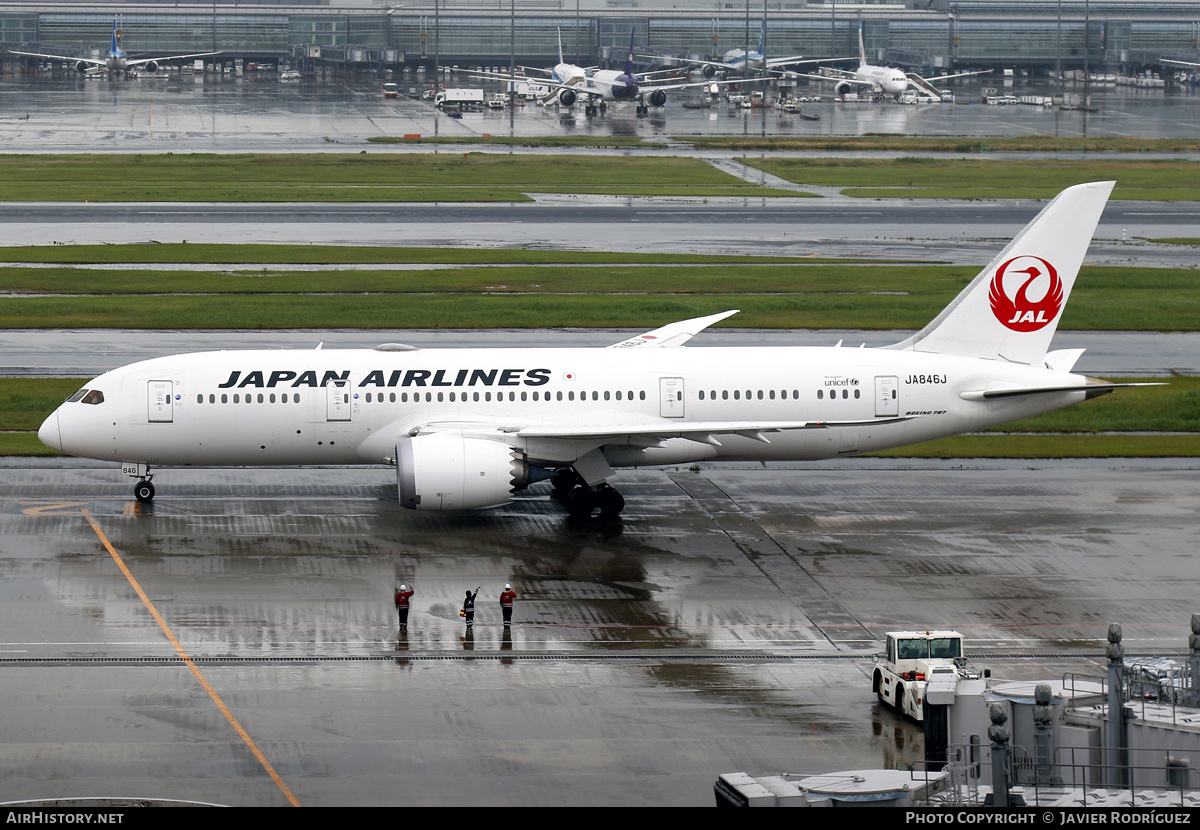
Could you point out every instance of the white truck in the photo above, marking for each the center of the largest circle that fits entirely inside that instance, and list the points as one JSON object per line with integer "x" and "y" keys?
{"x": 911, "y": 660}
{"x": 462, "y": 99}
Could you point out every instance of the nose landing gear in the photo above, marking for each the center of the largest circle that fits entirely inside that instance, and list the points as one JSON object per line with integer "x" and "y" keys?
{"x": 143, "y": 491}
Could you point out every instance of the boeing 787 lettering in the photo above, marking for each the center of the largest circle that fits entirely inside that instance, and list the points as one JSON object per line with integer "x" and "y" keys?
{"x": 468, "y": 428}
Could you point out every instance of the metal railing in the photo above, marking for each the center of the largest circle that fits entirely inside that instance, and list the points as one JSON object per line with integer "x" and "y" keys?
{"x": 962, "y": 779}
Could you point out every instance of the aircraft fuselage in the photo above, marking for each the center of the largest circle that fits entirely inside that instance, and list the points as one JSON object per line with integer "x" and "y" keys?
{"x": 350, "y": 406}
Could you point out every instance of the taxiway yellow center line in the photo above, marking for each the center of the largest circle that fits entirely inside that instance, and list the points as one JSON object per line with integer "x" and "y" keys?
{"x": 242, "y": 733}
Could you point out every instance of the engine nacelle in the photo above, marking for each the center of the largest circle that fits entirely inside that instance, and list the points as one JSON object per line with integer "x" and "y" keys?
{"x": 81, "y": 66}
{"x": 150, "y": 66}
{"x": 709, "y": 70}
{"x": 658, "y": 98}
{"x": 448, "y": 471}
{"x": 842, "y": 90}
{"x": 567, "y": 97}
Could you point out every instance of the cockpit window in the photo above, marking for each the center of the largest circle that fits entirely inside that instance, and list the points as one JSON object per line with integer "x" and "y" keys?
{"x": 94, "y": 397}
{"x": 77, "y": 396}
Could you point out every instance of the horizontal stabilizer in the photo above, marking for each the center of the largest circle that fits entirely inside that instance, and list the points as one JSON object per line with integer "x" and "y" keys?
{"x": 1093, "y": 388}
{"x": 1063, "y": 360}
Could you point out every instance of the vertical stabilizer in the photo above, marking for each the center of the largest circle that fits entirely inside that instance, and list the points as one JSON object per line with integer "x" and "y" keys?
{"x": 1011, "y": 309}
{"x": 862, "y": 50}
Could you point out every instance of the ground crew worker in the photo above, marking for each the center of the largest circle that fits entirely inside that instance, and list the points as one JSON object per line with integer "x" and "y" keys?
{"x": 402, "y": 604}
{"x": 506, "y": 603}
{"x": 468, "y": 608}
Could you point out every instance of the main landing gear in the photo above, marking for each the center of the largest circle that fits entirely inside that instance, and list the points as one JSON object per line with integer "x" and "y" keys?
{"x": 601, "y": 502}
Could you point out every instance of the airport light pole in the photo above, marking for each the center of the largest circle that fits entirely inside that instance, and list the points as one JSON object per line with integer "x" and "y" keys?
{"x": 512, "y": 67}
{"x": 1058, "y": 51}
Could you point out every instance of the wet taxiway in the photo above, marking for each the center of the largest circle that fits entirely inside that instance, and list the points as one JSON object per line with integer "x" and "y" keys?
{"x": 943, "y": 231}
{"x": 724, "y": 623}
{"x": 63, "y": 112}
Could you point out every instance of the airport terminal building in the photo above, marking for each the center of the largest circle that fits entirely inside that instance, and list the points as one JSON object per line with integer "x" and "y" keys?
{"x": 929, "y": 35}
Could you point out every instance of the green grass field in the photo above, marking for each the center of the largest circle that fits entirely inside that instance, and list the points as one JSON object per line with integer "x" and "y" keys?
{"x": 338, "y": 177}
{"x": 477, "y": 176}
{"x": 797, "y": 294}
{"x": 939, "y": 178}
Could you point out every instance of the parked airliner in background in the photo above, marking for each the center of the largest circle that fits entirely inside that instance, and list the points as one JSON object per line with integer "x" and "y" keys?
{"x": 468, "y": 428}
{"x": 881, "y": 80}
{"x": 737, "y": 60}
{"x": 566, "y": 77}
{"x": 605, "y": 85}
{"x": 116, "y": 60}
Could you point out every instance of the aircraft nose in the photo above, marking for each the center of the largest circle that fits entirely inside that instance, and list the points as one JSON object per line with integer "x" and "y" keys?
{"x": 49, "y": 433}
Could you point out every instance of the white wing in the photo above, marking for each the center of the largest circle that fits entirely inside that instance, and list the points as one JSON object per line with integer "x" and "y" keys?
{"x": 89, "y": 61}
{"x": 140, "y": 61}
{"x": 673, "y": 334}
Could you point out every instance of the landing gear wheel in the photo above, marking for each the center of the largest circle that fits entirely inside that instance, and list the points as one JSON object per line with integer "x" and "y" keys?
{"x": 610, "y": 501}
{"x": 143, "y": 491}
{"x": 602, "y": 503}
{"x": 562, "y": 482}
{"x": 581, "y": 503}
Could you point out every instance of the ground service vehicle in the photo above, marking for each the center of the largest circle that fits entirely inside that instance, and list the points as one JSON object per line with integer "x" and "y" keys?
{"x": 461, "y": 99}
{"x": 909, "y": 661}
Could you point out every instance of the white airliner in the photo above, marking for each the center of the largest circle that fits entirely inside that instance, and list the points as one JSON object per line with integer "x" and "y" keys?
{"x": 468, "y": 428}
{"x": 604, "y": 85}
{"x": 567, "y": 78}
{"x": 884, "y": 80}
{"x": 736, "y": 60}
{"x": 116, "y": 60}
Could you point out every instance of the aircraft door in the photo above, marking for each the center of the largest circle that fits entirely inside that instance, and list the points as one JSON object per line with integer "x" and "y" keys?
{"x": 160, "y": 400}
{"x": 887, "y": 395}
{"x": 670, "y": 397}
{"x": 337, "y": 400}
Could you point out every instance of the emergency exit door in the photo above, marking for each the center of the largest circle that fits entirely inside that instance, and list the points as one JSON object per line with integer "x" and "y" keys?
{"x": 161, "y": 401}
{"x": 337, "y": 400}
{"x": 670, "y": 397}
{"x": 887, "y": 395}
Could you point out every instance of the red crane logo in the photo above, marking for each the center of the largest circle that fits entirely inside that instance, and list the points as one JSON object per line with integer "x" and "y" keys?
{"x": 1017, "y": 311}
